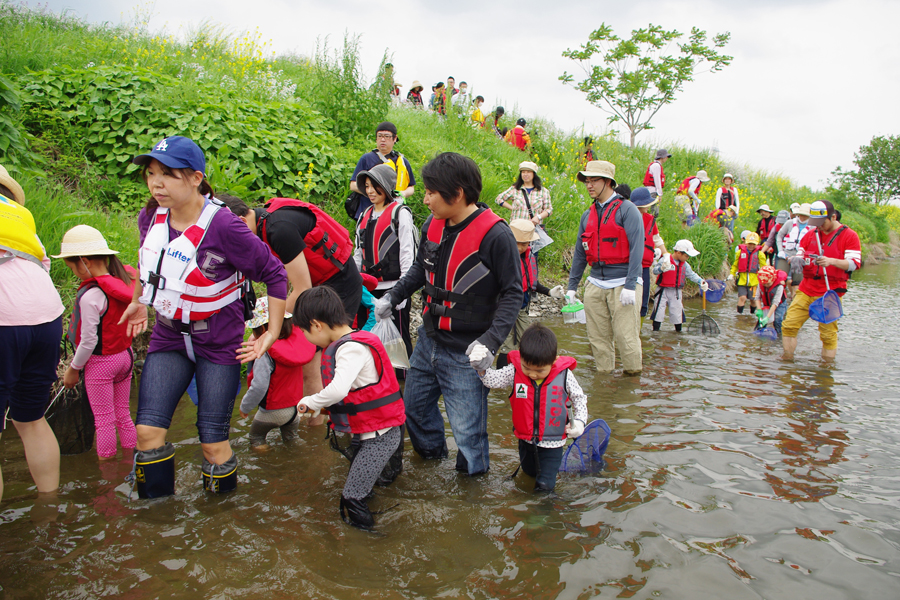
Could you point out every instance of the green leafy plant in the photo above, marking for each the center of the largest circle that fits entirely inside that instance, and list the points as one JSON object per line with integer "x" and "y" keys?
{"x": 639, "y": 75}
{"x": 877, "y": 175}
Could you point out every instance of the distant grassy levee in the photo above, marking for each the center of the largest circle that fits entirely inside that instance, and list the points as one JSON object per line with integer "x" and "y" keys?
{"x": 93, "y": 96}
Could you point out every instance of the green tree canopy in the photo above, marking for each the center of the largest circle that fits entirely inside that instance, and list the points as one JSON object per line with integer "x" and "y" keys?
{"x": 640, "y": 75}
{"x": 877, "y": 175}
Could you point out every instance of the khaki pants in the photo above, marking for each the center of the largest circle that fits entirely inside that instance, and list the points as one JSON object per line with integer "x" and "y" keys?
{"x": 523, "y": 321}
{"x": 798, "y": 314}
{"x": 611, "y": 325}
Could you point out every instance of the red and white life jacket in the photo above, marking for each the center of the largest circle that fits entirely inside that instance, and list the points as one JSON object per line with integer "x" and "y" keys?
{"x": 748, "y": 261}
{"x": 286, "y": 381}
{"x": 173, "y": 283}
{"x": 791, "y": 241}
{"x": 380, "y": 242}
{"x": 674, "y": 278}
{"x": 648, "y": 177}
{"x": 685, "y": 186}
{"x": 111, "y": 337}
{"x": 328, "y": 245}
{"x": 649, "y": 223}
{"x": 765, "y": 292}
{"x": 603, "y": 240}
{"x": 726, "y": 198}
{"x": 454, "y": 276}
{"x": 372, "y": 407}
{"x": 540, "y": 411}
{"x": 529, "y": 271}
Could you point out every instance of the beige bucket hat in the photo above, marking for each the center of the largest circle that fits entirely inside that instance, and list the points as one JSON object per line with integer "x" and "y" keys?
{"x": 702, "y": 176}
{"x": 83, "y": 240}
{"x": 13, "y": 185}
{"x": 527, "y": 165}
{"x": 598, "y": 168}
{"x": 524, "y": 231}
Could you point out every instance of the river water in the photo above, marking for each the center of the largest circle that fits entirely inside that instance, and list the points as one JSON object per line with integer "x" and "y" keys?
{"x": 729, "y": 475}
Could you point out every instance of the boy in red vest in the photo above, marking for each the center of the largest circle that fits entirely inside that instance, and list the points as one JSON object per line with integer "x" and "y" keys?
{"x": 670, "y": 280}
{"x": 771, "y": 294}
{"x": 361, "y": 394}
{"x": 543, "y": 386}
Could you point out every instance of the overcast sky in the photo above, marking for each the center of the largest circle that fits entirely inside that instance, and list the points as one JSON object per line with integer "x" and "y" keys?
{"x": 811, "y": 81}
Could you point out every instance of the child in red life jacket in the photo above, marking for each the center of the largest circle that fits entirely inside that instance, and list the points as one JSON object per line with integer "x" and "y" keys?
{"x": 670, "y": 280}
{"x": 524, "y": 232}
{"x": 747, "y": 261}
{"x": 544, "y": 397}
{"x": 771, "y": 294}
{"x": 361, "y": 394}
{"x": 103, "y": 347}
{"x": 275, "y": 384}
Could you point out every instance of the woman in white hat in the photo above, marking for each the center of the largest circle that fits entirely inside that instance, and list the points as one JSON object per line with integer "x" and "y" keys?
{"x": 764, "y": 227}
{"x": 30, "y": 331}
{"x": 686, "y": 196}
{"x": 527, "y": 198}
{"x": 414, "y": 95}
{"x": 727, "y": 195}
{"x": 102, "y": 343}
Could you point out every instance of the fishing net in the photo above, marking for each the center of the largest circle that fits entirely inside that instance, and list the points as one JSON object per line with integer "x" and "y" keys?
{"x": 766, "y": 333}
{"x": 71, "y": 419}
{"x": 585, "y": 455}
{"x": 716, "y": 290}
{"x": 703, "y": 325}
{"x": 826, "y": 309}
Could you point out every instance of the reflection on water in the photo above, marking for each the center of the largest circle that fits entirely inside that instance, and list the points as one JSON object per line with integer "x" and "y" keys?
{"x": 729, "y": 474}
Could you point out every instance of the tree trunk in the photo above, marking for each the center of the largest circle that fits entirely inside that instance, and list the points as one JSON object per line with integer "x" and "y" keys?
{"x": 633, "y": 135}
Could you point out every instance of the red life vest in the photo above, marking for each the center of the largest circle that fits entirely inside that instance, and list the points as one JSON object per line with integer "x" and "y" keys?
{"x": 328, "y": 245}
{"x": 648, "y": 178}
{"x": 674, "y": 278}
{"x": 286, "y": 382}
{"x": 837, "y": 278}
{"x": 111, "y": 337}
{"x": 517, "y": 137}
{"x": 764, "y": 228}
{"x": 381, "y": 242}
{"x": 726, "y": 199}
{"x": 685, "y": 185}
{"x": 372, "y": 407}
{"x": 649, "y": 224}
{"x": 529, "y": 271}
{"x": 449, "y": 279}
{"x": 748, "y": 261}
{"x": 540, "y": 411}
{"x": 603, "y": 240}
{"x": 765, "y": 292}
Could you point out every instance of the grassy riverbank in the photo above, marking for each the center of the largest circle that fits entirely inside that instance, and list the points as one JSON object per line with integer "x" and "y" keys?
{"x": 91, "y": 97}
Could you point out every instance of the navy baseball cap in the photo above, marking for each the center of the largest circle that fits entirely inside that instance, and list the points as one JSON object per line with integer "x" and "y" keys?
{"x": 176, "y": 152}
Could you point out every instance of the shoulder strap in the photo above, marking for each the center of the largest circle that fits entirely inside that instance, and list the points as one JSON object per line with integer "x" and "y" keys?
{"x": 527, "y": 202}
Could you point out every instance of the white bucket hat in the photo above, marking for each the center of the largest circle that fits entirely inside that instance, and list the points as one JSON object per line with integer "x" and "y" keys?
{"x": 702, "y": 176}
{"x": 83, "y": 240}
{"x": 728, "y": 176}
{"x": 523, "y": 230}
{"x": 598, "y": 168}
{"x": 803, "y": 209}
{"x": 764, "y": 207}
{"x": 686, "y": 246}
{"x": 527, "y": 165}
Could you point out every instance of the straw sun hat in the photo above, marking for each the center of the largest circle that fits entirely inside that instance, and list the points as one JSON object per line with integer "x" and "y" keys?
{"x": 83, "y": 240}
{"x": 12, "y": 185}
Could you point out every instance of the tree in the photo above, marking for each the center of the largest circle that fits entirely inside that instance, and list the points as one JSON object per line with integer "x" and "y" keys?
{"x": 877, "y": 178}
{"x": 640, "y": 75}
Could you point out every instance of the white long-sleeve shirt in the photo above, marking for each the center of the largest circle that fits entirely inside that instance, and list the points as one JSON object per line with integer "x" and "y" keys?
{"x": 505, "y": 377}
{"x": 92, "y": 305}
{"x": 656, "y": 173}
{"x": 407, "y": 237}
{"x": 737, "y": 202}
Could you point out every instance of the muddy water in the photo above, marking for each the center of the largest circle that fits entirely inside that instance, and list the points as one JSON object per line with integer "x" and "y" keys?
{"x": 730, "y": 475}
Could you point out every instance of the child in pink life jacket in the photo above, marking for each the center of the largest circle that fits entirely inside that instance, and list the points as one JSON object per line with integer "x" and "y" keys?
{"x": 103, "y": 347}
{"x": 361, "y": 394}
{"x": 544, "y": 396}
{"x": 275, "y": 384}
{"x": 673, "y": 271}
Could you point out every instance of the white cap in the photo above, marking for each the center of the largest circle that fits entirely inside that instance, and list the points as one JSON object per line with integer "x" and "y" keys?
{"x": 745, "y": 233}
{"x": 764, "y": 207}
{"x": 687, "y": 247}
{"x": 794, "y": 207}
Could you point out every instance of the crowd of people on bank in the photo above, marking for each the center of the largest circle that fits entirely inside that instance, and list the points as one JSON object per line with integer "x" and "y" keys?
{"x": 309, "y": 340}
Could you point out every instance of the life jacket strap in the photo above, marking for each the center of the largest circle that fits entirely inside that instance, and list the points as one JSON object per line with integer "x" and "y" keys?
{"x": 353, "y": 409}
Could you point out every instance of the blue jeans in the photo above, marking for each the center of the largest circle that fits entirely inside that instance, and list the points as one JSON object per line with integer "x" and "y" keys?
{"x": 165, "y": 379}
{"x": 779, "y": 315}
{"x": 541, "y": 463}
{"x": 437, "y": 370}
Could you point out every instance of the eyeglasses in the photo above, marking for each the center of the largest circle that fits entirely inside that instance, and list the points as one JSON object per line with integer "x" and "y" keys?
{"x": 384, "y": 136}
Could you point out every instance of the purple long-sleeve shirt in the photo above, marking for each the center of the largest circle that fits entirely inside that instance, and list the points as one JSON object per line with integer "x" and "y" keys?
{"x": 228, "y": 246}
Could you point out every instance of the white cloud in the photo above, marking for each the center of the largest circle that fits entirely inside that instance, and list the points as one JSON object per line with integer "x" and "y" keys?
{"x": 805, "y": 90}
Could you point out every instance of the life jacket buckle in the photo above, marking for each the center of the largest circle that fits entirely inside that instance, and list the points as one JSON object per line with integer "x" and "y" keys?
{"x": 156, "y": 280}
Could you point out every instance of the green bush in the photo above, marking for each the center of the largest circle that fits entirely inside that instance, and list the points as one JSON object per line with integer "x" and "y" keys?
{"x": 862, "y": 225}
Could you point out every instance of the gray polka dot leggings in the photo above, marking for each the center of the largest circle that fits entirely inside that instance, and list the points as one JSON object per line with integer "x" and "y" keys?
{"x": 373, "y": 455}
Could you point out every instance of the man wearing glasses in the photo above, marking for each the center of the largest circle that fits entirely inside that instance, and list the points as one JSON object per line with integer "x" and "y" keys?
{"x": 385, "y": 137}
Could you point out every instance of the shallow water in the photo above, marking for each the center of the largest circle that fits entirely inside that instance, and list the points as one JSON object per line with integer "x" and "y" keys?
{"x": 729, "y": 475}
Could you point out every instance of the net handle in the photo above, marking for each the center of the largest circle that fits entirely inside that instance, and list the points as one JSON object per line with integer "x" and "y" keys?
{"x": 825, "y": 268}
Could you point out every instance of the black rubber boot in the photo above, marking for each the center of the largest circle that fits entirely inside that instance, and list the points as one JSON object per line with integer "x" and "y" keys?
{"x": 356, "y": 513}
{"x": 220, "y": 479}
{"x": 678, "y": 328}
{"x": 154, "y": 471}
{"x": 740, "y": 310}
{"x": 502, "y": 360}
{"x": 656, "y": 325}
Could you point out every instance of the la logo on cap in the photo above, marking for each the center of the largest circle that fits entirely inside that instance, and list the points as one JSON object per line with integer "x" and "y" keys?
{"x": 162, "y": 146}
{"x": 521, "y": 390}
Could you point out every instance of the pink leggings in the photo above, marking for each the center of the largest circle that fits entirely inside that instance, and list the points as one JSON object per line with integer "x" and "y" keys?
{"x": 107, "y": 379}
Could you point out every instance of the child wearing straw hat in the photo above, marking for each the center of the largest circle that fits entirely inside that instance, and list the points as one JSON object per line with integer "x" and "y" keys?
{"x": 102, "y": 345}
{"x": 524, "y": 232}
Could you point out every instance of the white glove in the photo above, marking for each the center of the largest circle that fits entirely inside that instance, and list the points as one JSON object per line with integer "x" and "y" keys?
{"x": 570, "y": 297}
{"x": 730, "y": 277}
{"x": 557, "y": 292}
{"x": 781, "y": 254}
{"x": 800, "y": 253}
{"x": 665, "y": 264}
{"x": 383, "y": 307}
{"x": 704, "y": 286}
{"x": 627, "y": 297}
{"x": 657, "y": 253}
{"x": 574, "y": 429}
{"x": 479, "y": 356}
